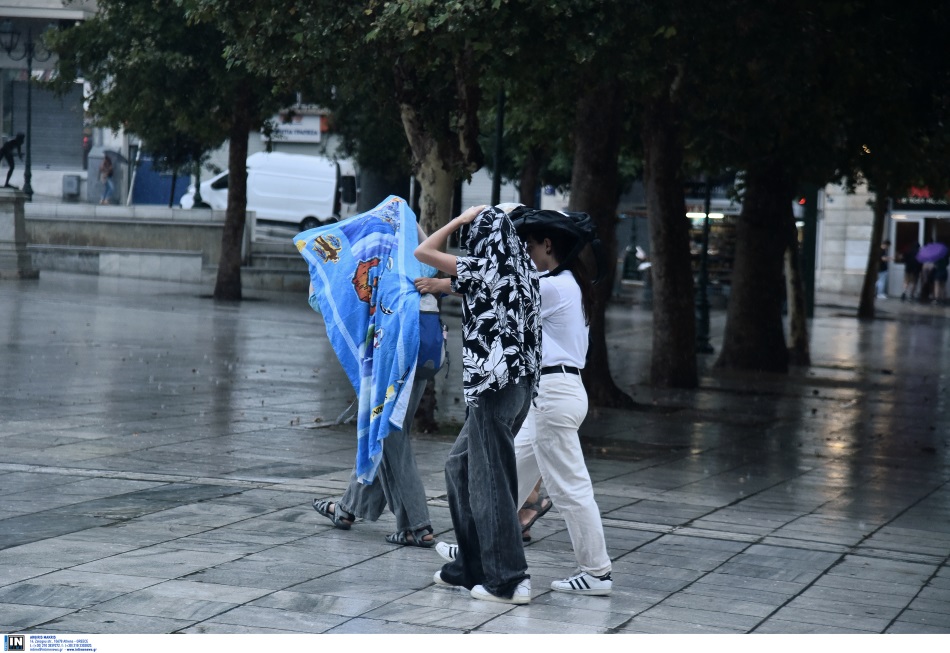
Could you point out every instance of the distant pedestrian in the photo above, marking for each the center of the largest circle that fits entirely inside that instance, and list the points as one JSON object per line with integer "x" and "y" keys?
{"x": 6, "y": 152}
{"x": 882, "y": 270}
{"x": 940, "y": 281}
{"x": 927, "y": 270}
{"x": 911, "y": 271}
{"x": 105, "y": 178}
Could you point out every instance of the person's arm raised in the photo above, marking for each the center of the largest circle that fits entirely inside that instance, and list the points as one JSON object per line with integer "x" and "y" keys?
{"x": 430, "y": 251}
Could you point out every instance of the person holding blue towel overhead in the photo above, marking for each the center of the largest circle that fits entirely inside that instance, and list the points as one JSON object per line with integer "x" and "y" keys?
{"x": 362, "y": 281}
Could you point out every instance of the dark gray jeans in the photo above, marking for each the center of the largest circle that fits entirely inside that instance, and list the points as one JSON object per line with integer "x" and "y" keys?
{"x": 482, "y": 482}
{"x": 397, "y": 480}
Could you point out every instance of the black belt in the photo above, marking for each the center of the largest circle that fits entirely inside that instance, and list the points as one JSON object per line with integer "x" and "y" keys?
{"x": 559, "y": 369}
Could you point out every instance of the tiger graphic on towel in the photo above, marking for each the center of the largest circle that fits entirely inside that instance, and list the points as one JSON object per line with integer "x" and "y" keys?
{"x": 364, "y": 285}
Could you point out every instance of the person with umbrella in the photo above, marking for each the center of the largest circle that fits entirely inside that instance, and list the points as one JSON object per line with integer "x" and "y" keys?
{"x": 928, "y": 255}
{"x": 911, "y": 271}
{"x": 940, "y": 281}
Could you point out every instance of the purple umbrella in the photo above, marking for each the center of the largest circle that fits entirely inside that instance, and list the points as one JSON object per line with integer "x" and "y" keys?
{"x": 932, "y": 252}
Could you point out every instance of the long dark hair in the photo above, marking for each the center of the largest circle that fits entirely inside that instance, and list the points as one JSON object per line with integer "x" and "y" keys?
{"x": 562, "y": 244}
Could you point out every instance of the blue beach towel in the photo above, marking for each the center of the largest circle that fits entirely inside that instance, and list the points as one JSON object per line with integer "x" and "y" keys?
{"x": 362, "y": 271}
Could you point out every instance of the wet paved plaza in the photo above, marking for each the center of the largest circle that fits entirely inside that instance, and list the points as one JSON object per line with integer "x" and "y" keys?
{"x": 160, "y": 452}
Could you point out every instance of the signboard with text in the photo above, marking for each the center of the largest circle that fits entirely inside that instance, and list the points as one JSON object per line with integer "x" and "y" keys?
{"x": 296, "y": 128}
{"x": 921, "y": 199}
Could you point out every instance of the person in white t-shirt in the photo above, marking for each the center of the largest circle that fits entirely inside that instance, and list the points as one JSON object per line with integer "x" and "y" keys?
{"x": 548, "y": 445}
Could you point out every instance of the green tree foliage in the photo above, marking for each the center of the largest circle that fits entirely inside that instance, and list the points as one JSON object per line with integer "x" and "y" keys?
{"x": 163, "y": 78}
{"x": 772, "y": 107}
{"x": 147, "y": 71}
{"x": 800, "y": 91}
{"x": 896, "y": 136}
{"x": 418, "y": 53}
{"x": 316, "y": 49}
{"x": 787, "y": 92}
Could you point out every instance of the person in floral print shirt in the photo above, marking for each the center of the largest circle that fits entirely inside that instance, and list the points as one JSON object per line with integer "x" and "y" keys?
{"x": 501, "y": 360}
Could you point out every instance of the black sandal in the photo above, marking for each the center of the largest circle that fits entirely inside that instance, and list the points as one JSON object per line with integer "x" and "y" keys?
{"x": 413, "y": 538}
{"x": 341, "y": 522}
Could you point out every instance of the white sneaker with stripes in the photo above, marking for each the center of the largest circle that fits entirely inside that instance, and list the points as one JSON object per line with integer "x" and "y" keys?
{"x": 447, "y": 551}
{"x": 584, "y": 583}
{"x": 521, "y": 595}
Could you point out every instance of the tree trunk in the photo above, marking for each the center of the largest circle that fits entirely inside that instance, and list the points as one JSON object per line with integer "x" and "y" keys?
{"x": 868, "y": 290}
{"x": 436, "y": 180}
{"x": 468, "y": 156}
{"x": 798, "y": 350}
{"x": 595, "y": 190}
{"x": 754, "y": 339}
{"x": 228, "y": 285}
{"x": 436, "y": 186}
{"x": 530, "y": 178}
{"x": 673, "y": 364}
{"x": 439, "y": 155}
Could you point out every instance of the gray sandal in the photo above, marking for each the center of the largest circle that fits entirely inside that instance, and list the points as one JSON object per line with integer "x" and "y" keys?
{"x": 540, "y": 509}
{"x": 340, "y": 521}
{"x": 413, "y": 538}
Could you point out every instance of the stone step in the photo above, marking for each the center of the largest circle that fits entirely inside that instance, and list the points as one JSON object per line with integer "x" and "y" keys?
{"x": 163, "y": 265}
{"x": 290, "y": 262}
{"x": 274, "y": 248}
{"x": 281, "y": 280}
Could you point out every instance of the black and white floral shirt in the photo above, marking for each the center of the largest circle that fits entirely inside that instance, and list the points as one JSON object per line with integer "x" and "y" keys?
{"x": 501, "y": 308}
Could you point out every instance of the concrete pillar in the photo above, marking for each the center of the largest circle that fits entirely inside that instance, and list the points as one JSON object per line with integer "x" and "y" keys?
{"x": 15, "y": 262}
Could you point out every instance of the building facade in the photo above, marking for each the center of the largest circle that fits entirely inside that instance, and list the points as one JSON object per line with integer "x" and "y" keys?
{"x": 54, "y": 126}
{"x": 844, "y": 235}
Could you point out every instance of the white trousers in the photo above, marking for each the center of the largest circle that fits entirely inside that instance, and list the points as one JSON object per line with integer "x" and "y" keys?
{"x": 548, "y": 447}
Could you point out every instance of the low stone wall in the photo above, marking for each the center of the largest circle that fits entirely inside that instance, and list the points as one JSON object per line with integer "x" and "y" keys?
{"x": 163, "y": 265}
{"x": 148, "y": 242}
{"x": 126, "y": 228}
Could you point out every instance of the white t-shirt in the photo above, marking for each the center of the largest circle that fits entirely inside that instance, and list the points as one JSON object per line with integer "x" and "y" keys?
{"x": 563, "y": 331}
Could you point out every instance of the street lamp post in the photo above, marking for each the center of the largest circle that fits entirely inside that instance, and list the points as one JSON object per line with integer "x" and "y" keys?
{"x": 499, "y": 142}
{"x": 702, "y": 297}
{"x": 9, "y": 40}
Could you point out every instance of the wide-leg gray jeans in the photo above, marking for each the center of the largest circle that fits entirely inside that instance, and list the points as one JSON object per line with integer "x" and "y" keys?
{"x": 397, "y": 480}
{"x": 482, "y": 483}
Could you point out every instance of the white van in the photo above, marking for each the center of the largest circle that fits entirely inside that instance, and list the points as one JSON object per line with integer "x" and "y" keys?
{"x": 290, "y": 190}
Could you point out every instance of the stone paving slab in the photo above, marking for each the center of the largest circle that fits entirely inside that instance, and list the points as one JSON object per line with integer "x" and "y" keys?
{"x": 161, "y": 451}
{"x": 98, "y": 621}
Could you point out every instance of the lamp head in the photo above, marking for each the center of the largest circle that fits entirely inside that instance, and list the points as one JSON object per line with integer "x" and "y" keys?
{"x": 9, "y": 36}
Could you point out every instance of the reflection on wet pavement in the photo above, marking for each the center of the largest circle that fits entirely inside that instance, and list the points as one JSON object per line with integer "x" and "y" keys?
{"x": 160, "y": 452}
